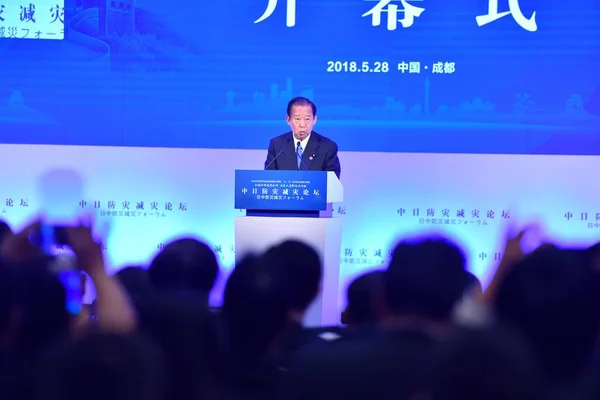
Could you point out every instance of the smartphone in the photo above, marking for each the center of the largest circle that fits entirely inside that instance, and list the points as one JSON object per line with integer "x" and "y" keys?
{"x": 65, "y": 268}
{"x": 48, "y": 237}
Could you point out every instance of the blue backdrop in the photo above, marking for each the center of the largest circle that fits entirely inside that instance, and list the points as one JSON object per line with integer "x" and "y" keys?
{"x": 414, "y": 76}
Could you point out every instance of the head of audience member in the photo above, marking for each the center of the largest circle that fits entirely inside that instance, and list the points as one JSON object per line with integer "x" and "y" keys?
{"x": 256, "y": 305}
{"x": 472, "y": 284}
{"x": 424, "y": 281}
{"x": 551, "y": 298}
{"x": 301, "y": 117}
{"x": 135, "y": 280}
{"x": 484, "y": 363}
{"x": 364, "y": 299}
{"x": 185, "y": 266}
{"x": 102, "y": 367}
{"x": 303, "y": 265}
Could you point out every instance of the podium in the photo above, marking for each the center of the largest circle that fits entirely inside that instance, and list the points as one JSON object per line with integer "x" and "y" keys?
{"x": 297, "y": 205}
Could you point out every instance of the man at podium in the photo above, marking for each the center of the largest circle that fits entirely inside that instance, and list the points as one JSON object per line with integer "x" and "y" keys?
{"x": 302, "y": 148}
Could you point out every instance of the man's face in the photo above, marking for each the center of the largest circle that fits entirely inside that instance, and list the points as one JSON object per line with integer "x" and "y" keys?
{"x": 301, "y": 121}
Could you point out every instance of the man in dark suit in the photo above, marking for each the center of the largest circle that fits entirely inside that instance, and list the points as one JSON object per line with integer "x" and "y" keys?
{"x": 302, "y": 148}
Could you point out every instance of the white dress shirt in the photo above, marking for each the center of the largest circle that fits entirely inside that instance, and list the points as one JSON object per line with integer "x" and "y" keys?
{"x": 302, "y": 143}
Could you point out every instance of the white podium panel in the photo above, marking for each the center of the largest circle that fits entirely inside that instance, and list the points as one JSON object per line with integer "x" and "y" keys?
{"x": 257, "y": 234}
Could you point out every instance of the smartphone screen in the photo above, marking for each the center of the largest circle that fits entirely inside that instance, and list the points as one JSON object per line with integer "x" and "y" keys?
{"x": 71, "y": 280}
{"x": 65, "y": 268}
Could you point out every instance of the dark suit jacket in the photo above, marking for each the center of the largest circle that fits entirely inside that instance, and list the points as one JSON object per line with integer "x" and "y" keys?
{"x": 323, "y": 151}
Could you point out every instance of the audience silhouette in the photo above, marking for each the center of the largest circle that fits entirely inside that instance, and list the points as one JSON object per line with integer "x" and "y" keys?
{"x": 421, "y": 328}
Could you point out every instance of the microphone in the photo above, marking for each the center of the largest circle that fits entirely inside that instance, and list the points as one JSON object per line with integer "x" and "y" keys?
{"x": 278, "y": 154}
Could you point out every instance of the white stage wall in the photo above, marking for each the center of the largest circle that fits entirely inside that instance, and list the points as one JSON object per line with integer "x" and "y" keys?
{"x": 144, "y": 197}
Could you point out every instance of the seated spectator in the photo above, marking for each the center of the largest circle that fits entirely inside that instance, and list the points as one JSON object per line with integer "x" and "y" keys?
{"x": 422, "y": 284}
{"x": 303, "y": 266}
{"x": 551, "y": 298}
{"x": 489, "y": 363}
{"x": 136, "y": 282}
{"x": 102, "y": 366}
{"x": 185, "y": 266}
{"x": 255, "y": 313}
{"x": 365, "y": 299}
{"x": 186, "y": 332}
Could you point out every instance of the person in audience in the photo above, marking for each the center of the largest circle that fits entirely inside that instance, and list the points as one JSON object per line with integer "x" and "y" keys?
{"x": 256, "y": 309}
{"x": 185, "y": 266}
{"x": 484, "y": 363}
{"x": 13, "y": 370}
{"x": 551, "y": 298}
{"x": 136, "y": 281}
{"x": 427, "y": 329}
{"x": 421, "y": 288}
{"x": 186, "y": 332}
{"x": 102, "y": 366}
{"x": 302, "y": 148}
{"x": 43, "y": 317}
{"x": 365, "y": 300}
{"x": 303, "y": 266}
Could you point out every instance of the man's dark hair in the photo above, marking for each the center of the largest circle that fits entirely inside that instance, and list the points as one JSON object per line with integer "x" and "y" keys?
{"x": 424, "y": 279}
{"x": 135, "y": 280}
{"x": 301, "y": 101}
{"x": 185, "y": 264}
{"x": 302, "y": 263}
{"x": 361, "y": 294}
{"x": 471, "y": 282}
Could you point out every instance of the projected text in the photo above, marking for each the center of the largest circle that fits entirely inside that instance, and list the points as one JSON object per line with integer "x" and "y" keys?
{"x": 44, "y": 19}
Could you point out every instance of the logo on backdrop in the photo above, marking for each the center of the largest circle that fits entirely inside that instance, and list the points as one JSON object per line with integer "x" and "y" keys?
{"x": 590, "y": 220}
{"x": 134, "y": 209}
{"x": 461, "y": 216}
{"x": 394, "y": 8}
{"x": 14, "y": 203}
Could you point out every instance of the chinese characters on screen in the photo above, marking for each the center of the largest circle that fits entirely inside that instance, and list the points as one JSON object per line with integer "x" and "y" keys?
{"x": 404, "y": 12}
{"x": 11, "y": 203}
{"x": 283, "y": 191}
{"x": 134, "y": 209}
{"x": 44, "y": 19}
{"x": 461, "y": 216}
{"x": 411, "y": 67}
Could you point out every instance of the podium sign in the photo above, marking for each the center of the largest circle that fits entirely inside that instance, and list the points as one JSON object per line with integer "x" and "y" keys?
{"x": 297, "y": 205}
{"x": 274, "y": 190}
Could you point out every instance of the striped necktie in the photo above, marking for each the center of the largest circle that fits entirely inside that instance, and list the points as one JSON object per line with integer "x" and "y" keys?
{"x": 299, "y": 155}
